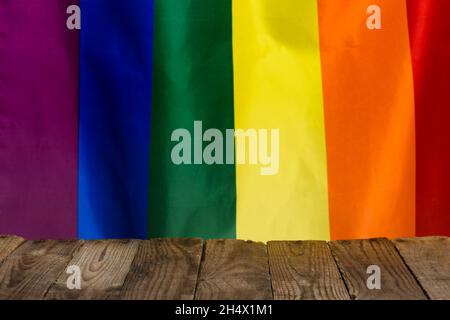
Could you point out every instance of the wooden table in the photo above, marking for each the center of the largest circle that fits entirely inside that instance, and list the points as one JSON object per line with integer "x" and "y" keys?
{"x": 415, "y": 268}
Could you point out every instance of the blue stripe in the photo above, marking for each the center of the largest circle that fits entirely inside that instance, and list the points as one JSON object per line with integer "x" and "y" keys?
{"x": 114, "y": 131}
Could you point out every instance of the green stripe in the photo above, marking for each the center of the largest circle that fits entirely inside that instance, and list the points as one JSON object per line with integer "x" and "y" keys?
{"x": 192, "y": 80}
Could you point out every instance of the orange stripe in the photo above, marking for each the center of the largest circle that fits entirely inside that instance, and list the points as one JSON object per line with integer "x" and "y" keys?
{"x": 369, "y": 119}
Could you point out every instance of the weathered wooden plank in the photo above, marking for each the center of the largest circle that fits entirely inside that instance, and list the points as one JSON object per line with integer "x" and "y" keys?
{"x": 164, "y": 269}
{"x": 304, "y": 270}
{"x": 29, "y": 271}
{"x": 8, "y": 244}
{"x": 104, "y": 265}
{"x": 234, "y": 269}
{"x": 353, "y": 259}
{"x": 429, "y": 260}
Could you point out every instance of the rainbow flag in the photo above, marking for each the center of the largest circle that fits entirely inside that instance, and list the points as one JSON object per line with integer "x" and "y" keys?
{"x": 354, "y": 93}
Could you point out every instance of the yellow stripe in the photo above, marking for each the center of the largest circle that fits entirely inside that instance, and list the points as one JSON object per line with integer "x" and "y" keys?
{"x": 277, "y": 85}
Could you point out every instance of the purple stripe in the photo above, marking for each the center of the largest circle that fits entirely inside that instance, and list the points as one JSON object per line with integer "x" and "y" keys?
{"x": 38, "y": 119}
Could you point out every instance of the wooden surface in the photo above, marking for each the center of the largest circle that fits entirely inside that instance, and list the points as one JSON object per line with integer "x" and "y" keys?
{"x": 8, "y": 245}
{"x": 234, "y": 269}
{"x": 415, "y": 268}
{"x": 304, "y": 270}
{"x": 354, "y": 257}
{"x": 30, "y": 270}
{"x": 164, "y": 269}
{"x": 104, "y": 265}
{"x": 429, "y": 261}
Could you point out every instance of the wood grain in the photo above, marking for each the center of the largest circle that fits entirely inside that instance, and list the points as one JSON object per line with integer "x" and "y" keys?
{"x": 29, "y": 271}
{"x": 164, "y": 269}
{"x": 304, "y": 270}
{"x": 228, "y": 269}
{"x": 429, "y": 260}
{"x": 104, "y": 265}
{"x": 353, "y": 258}
{"x": 8, "y": 244}
{"x": 234, "y": 269}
